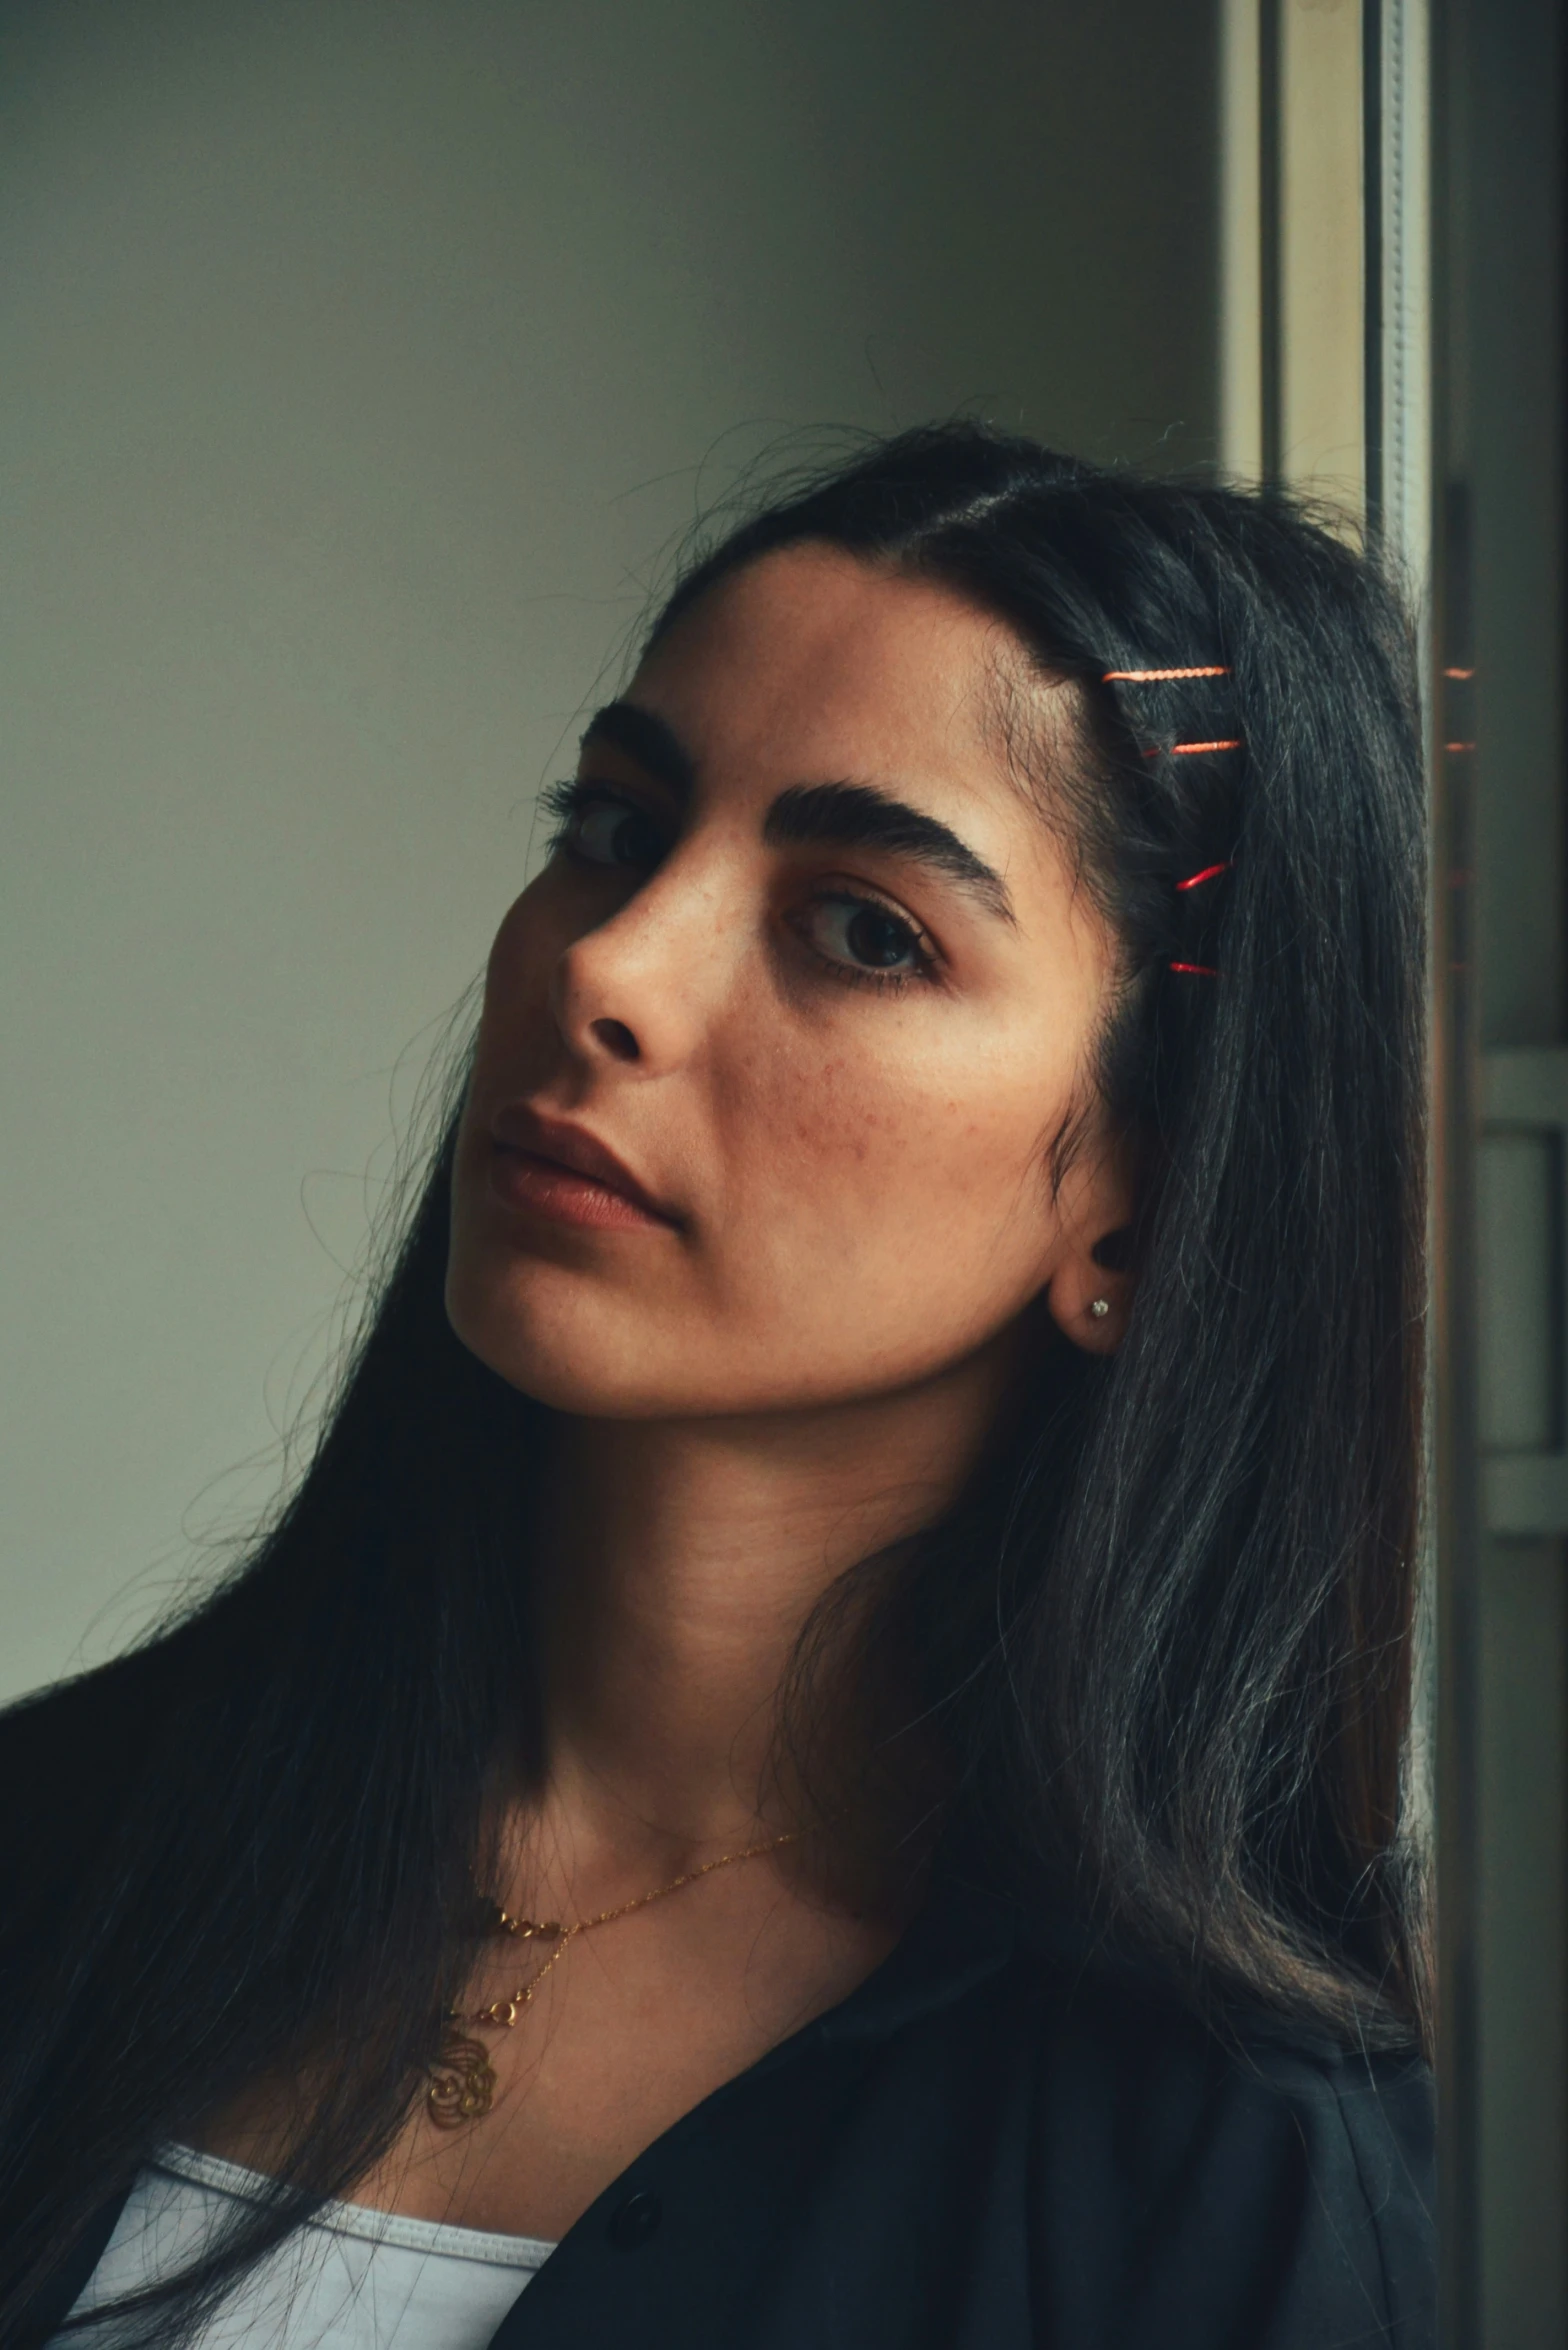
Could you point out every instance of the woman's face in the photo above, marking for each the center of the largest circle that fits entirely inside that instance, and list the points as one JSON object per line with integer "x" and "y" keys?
{"x": 810, "y": 968}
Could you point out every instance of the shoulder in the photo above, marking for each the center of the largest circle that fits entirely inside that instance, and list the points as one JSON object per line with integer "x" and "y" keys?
{"x": 1262, "y": 2187}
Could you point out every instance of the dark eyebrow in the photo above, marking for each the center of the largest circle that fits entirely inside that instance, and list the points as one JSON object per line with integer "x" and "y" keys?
{"x": 651, "y": 741}
{"x": 859, "y": 816}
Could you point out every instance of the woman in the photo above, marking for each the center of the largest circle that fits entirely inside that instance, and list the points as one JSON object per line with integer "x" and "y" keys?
{"x": 817, "y": 1757}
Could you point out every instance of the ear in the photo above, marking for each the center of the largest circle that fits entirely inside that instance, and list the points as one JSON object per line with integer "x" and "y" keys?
{"x": 1089, "y": 1291}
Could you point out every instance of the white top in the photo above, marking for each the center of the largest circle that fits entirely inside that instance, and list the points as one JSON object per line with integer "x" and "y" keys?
{"x": 349, "y": 2279}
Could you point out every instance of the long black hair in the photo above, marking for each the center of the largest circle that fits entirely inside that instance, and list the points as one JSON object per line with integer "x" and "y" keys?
{"x": 1169, "y": 1644}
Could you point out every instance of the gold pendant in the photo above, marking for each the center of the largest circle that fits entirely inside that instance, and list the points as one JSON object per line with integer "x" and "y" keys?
{"x": 462, "y": 2082}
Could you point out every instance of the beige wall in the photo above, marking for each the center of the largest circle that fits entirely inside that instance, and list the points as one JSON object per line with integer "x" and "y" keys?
{"x": 359, "y": 361}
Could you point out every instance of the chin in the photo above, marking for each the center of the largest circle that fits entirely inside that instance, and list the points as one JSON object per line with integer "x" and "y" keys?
{"x": 565, "y": 1352}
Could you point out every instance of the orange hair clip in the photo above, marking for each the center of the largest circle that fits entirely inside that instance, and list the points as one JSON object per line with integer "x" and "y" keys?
{"x": 1191, "y": 750}
{"x": 1158, "y": 676}
{"x": 1207, "y": 874}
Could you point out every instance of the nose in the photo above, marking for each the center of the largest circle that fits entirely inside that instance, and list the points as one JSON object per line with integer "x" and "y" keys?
{"x": 642, "y": 985}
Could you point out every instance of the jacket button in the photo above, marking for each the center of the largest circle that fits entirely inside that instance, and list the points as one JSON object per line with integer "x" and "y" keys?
{"x": 634, "y": 2221}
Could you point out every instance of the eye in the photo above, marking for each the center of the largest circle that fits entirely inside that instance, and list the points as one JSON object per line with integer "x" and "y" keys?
{"x": 864, "y": 940}
{"x": 599, "y": 826}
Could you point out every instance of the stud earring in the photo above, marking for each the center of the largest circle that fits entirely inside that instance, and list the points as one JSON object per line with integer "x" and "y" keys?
{"x": 1100, "y": 1308}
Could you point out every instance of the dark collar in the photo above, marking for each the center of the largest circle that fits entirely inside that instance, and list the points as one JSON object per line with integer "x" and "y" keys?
{"x": 961, "y": 1937}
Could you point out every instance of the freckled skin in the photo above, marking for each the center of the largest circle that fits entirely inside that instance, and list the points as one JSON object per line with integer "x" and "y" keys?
{"x": 857, "y": 1171}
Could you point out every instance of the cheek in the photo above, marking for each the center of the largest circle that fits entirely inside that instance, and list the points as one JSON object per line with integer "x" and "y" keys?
{"x": 515, "y": 1007}
{"x": 519, "y": 950}
{"x": 910, "y": 1184}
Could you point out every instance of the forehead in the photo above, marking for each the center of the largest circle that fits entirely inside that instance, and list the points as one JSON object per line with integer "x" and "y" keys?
{"x": 810, "y": 659}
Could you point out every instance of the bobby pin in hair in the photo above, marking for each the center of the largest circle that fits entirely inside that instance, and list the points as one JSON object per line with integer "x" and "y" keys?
{"x": 1207, "y": 874}
{"x": 1203, "y": 970}
{"x": 1190, "y": 750}
{"x": 1158, "y": 676}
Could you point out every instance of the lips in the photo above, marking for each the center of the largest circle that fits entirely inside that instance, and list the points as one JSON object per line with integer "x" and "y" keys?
{"x": 527, "y": 1135}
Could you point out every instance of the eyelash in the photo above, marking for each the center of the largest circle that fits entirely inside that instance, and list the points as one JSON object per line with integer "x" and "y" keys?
{"x": 566, "y": 801}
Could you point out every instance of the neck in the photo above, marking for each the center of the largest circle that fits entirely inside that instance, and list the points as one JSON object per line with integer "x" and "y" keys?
{"x": 681, "y": 1562}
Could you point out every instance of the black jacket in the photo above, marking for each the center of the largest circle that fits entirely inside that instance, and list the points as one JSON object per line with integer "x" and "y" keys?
{"x": 994, "y": 2144}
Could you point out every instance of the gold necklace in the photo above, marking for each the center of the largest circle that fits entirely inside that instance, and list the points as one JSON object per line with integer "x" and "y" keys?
{"x": 462, "y": 2078}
